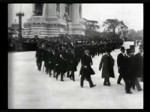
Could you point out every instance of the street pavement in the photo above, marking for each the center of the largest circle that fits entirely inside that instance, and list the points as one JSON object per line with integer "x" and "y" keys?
{"x": 30, "y": 89}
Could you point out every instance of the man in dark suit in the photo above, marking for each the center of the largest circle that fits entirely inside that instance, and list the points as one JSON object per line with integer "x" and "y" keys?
{"x": 73, "y": 64}
{"x": 50, "y": 63}
{"x": 121, "y": 64}
{"x": 56, "y": 58}
{"x": 139, "y": 67}
{"x": 86, "y": 70}
{"x": 67, "y": 54}
{"x": 139, "y": 60}
{"x": 39, "y": 58}
{"x": 42, "y": 56}
{"x": 106, "y": 64}
{"x": 46, "y": 57}
{"x": 61, "y": 67}
{"x": 132, "y": 66}
{"x": 128, "y": 74}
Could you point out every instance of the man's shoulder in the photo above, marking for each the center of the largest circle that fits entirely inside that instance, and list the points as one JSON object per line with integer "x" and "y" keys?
{"x": 83, "y": 56}
{"x": 137, "y": 54}
{"x": 120, "y": 54}
{"x": 104, "y": 55}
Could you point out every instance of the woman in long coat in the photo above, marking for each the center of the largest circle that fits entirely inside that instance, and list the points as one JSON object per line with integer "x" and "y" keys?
{"x": 106, "y": 64}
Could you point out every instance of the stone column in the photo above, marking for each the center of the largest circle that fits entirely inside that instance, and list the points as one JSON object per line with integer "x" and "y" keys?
{"x": 62, "y": 10}
{"x": 10, "y": 15}
{"x": 81, "y": 11}
{"x": 70, "y": 11}
{"x": 49, "y": 10}
{"x": 75, "y": 14}
{"x": 33, "y": 9}
{"x": 44, "y": 9}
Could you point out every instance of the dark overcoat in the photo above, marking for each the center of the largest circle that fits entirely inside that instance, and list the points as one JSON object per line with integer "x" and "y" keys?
{"x": 50, "y": 60}
{"x": 72, "y": 62}
{"x": 62, "y": 65}
{"x": 56, "y": 61}
{"x": 106, "y": 64}
{"x": 86, "y": 62}
{"x": 39, "y": 55}
{"x": 121, "y": 62}
{"x": 138, "y": 65}
{"x": 130, "y": 63}
{"x": 68, "y": 57}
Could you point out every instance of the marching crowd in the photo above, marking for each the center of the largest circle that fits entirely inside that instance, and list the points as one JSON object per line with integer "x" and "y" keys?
{"x": 58, "y": 58}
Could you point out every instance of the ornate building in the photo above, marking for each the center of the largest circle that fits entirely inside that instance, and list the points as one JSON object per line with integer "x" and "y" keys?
{"x": 50, "y": 20}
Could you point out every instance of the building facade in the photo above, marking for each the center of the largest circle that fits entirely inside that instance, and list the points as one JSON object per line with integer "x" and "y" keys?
{"x": 51, "y": 20}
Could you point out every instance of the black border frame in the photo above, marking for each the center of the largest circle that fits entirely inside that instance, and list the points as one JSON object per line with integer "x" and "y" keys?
{"x": 4, "y": 53}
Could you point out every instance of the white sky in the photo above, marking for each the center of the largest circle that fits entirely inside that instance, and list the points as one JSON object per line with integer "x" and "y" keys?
{"x": 131, "y": 14}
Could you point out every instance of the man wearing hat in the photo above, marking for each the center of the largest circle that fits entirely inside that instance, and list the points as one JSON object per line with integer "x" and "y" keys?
{"x": 50, "y": 62}
{"x": 121, "y": 64}
{"x": 86, "y": 70}
{"x": 132, "y": 47}
{"x": 106, "y": 64}
{"x": 43, "y": 55}
{"x": 139, "y": 67}
{"x": 127, "y": 75}
{"x": 132, "y": 65}
{"x": 73, "y": 64}
{"x": 39, "y": 58}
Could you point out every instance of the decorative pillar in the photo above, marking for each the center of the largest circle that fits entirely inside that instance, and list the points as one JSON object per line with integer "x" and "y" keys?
{"x": 33, "y": 9}
{"x": 10, "y": 14}
{"x": 49, "y": 10}
{"x": 70, "y": 11}
{"x": 75, "y": 14}
{"x": 62, "y": 10}
{"x": 80, "y": 11}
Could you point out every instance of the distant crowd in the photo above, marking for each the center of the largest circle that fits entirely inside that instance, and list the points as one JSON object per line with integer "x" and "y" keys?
{"x": 31, "y": 44}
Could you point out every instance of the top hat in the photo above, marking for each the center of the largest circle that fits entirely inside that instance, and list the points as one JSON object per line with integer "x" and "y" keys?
{"x": 132, "y": 46}
{"x": 128, "y": 51}
{"x": 122, "y": 48}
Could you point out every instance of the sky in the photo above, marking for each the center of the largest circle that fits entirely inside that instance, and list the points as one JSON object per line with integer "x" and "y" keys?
{"x": 130, "y": 14}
